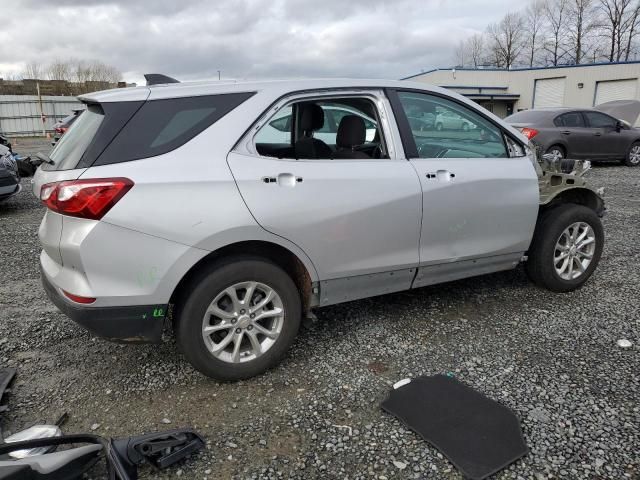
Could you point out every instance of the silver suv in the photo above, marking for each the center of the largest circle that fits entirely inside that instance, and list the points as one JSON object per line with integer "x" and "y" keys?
{"x": 169, "y": 202}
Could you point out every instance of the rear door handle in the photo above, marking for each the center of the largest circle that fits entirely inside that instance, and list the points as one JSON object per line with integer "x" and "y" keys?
{"x": 283, "y": 179}
{"x": 566, "y": 132}
{"x": 598, "y": 134}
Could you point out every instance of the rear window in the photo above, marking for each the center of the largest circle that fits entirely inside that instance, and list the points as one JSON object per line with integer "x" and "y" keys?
{"x": 573, "y": 119}
{"x": 527, "y": 116}
{"x": 74, "y": 143}
{"x": 160, "y": 126}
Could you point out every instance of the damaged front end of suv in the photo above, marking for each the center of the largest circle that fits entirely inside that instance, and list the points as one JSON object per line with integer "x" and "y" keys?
{"x": 563, "y": 181}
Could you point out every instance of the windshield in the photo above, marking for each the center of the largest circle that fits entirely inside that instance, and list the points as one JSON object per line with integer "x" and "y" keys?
{"x": 70, "y": 148}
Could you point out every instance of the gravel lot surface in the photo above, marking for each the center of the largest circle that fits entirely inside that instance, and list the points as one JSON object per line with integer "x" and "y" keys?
{"x": 552, "y": 358}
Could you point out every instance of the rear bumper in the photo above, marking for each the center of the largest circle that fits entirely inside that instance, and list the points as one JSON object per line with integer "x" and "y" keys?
{"x": 130, "y": 324}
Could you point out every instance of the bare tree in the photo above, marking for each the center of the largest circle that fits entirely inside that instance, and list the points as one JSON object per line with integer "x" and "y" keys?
{"x": 580, "y": 24}
{"x": 615, "y": 15}
{"x": 555, "y": 13}
{"x": 506, "y": 39}
{"x": 461, "y": 53}
{"x": 59, "y": 70}
{"x": 475, "y": 49}
{"x": 33, "y": 70}
{"x": 534, "y": 22}
{"x": 631, "y": 28}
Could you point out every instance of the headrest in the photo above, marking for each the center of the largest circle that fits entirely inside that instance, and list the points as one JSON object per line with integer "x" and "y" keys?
{"x": 351, "y": 132}
{"x": 311, "y": 117}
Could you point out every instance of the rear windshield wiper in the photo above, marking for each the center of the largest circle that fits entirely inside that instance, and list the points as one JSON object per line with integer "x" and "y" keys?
{"x": 45, "y": 158}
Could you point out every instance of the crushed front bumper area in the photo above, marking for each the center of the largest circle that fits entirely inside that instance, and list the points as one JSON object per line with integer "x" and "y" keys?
{"x": 131, "y": 324}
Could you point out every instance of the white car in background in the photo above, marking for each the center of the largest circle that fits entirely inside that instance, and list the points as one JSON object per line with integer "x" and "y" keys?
{"x": 278, "y": 130}
{"x": 447, "y": 120}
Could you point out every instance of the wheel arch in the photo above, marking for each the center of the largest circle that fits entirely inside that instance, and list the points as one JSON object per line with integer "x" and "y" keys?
{"x": 302, "y": 275}
{"x": 559, "y": 143}
{"x": 577, "y": 195}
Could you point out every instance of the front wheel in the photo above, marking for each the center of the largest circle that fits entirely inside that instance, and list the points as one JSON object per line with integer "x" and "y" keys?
{"x": 566, "y": 248}
{"x": 633, "y": 155}
{"x": 239, "y": 319}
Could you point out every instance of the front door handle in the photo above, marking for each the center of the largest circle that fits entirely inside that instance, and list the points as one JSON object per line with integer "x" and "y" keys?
{"x": 598, "y": 134}
{"x": 441, "y": 176}
{"x": 566, "y": 132}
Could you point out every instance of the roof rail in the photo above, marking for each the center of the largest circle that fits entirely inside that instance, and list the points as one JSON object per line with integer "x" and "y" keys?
{"x": 158, "y": 78}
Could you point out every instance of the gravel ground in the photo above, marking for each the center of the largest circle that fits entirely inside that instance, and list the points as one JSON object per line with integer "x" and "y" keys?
{"x": 552, "y": 358}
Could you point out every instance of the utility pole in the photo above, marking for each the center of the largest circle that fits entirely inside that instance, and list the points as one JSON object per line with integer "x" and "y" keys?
{"x": 218, "y": 75}
{"x": 42, "y": 117}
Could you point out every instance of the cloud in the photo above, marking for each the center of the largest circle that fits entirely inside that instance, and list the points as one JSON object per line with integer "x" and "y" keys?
{"x": 192, "y": 39}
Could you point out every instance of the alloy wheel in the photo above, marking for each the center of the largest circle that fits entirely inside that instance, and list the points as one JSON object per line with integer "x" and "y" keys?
{"x": 243, "y": 322}
{"x": 634, "y": 155}
{"x": 556, "y": 154}
{"x": 574, "y": 251}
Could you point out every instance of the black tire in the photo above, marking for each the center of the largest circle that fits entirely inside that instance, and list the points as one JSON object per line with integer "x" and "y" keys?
{"x": 551, "y": 224}
{"x": 629, "y": 161}
{"x": 559, "y": 148}
{"x": 202, "y": 292}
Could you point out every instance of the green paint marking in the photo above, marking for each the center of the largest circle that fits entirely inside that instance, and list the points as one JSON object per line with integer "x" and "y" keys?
{"x": 158, "y": 312}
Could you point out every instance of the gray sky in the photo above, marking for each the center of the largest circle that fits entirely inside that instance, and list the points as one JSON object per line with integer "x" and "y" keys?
{"x": 192, "y": 39}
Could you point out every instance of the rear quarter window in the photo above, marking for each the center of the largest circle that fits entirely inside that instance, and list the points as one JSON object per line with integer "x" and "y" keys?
{"x": 160, "y": 126}
{"x": 73, "y": 144}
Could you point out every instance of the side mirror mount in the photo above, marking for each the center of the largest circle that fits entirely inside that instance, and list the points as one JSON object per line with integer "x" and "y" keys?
{"x": 619, "y": 126}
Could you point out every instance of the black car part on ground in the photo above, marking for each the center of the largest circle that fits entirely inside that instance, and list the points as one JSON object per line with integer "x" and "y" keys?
{"x": 158, "y": 449}
{"x": 478, "y": 435}
{"x": 26, "y": 166}
{"x": 123, "y": 456}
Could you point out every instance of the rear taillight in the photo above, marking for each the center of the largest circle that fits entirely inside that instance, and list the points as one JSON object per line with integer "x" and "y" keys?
{"x": 529, "y": 132}
{"x": 86, "y": 198}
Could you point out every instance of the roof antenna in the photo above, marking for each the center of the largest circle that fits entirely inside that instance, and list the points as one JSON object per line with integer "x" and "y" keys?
{"x": 158, "y": 79}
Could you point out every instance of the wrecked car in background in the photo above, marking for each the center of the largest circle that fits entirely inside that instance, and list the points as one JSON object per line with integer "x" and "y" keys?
{"x": 61, "y": 127}
{"x": 249, "y": 235}
{"x": 9, "y": 176}
{"x": 604, "y": 132}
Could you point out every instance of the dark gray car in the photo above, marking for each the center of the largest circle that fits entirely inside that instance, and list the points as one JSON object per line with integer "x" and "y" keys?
{"x": 581, "y": 133}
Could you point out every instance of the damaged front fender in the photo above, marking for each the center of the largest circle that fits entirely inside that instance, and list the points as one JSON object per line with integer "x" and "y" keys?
{"x": 562, "y": 181}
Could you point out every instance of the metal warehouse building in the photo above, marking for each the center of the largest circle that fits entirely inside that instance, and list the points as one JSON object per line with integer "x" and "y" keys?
{"x": 507, "y": 91}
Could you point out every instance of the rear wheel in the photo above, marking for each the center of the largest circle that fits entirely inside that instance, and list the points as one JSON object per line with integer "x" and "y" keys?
{"x": 240, "y": 319}
{"x": 566, "y": 248}
{"x": 556, "y": 151}
{"x": 633, "y": 155}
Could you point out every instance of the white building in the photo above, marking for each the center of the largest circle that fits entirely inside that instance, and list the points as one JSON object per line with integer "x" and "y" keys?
{"x": 507, "y": 91}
